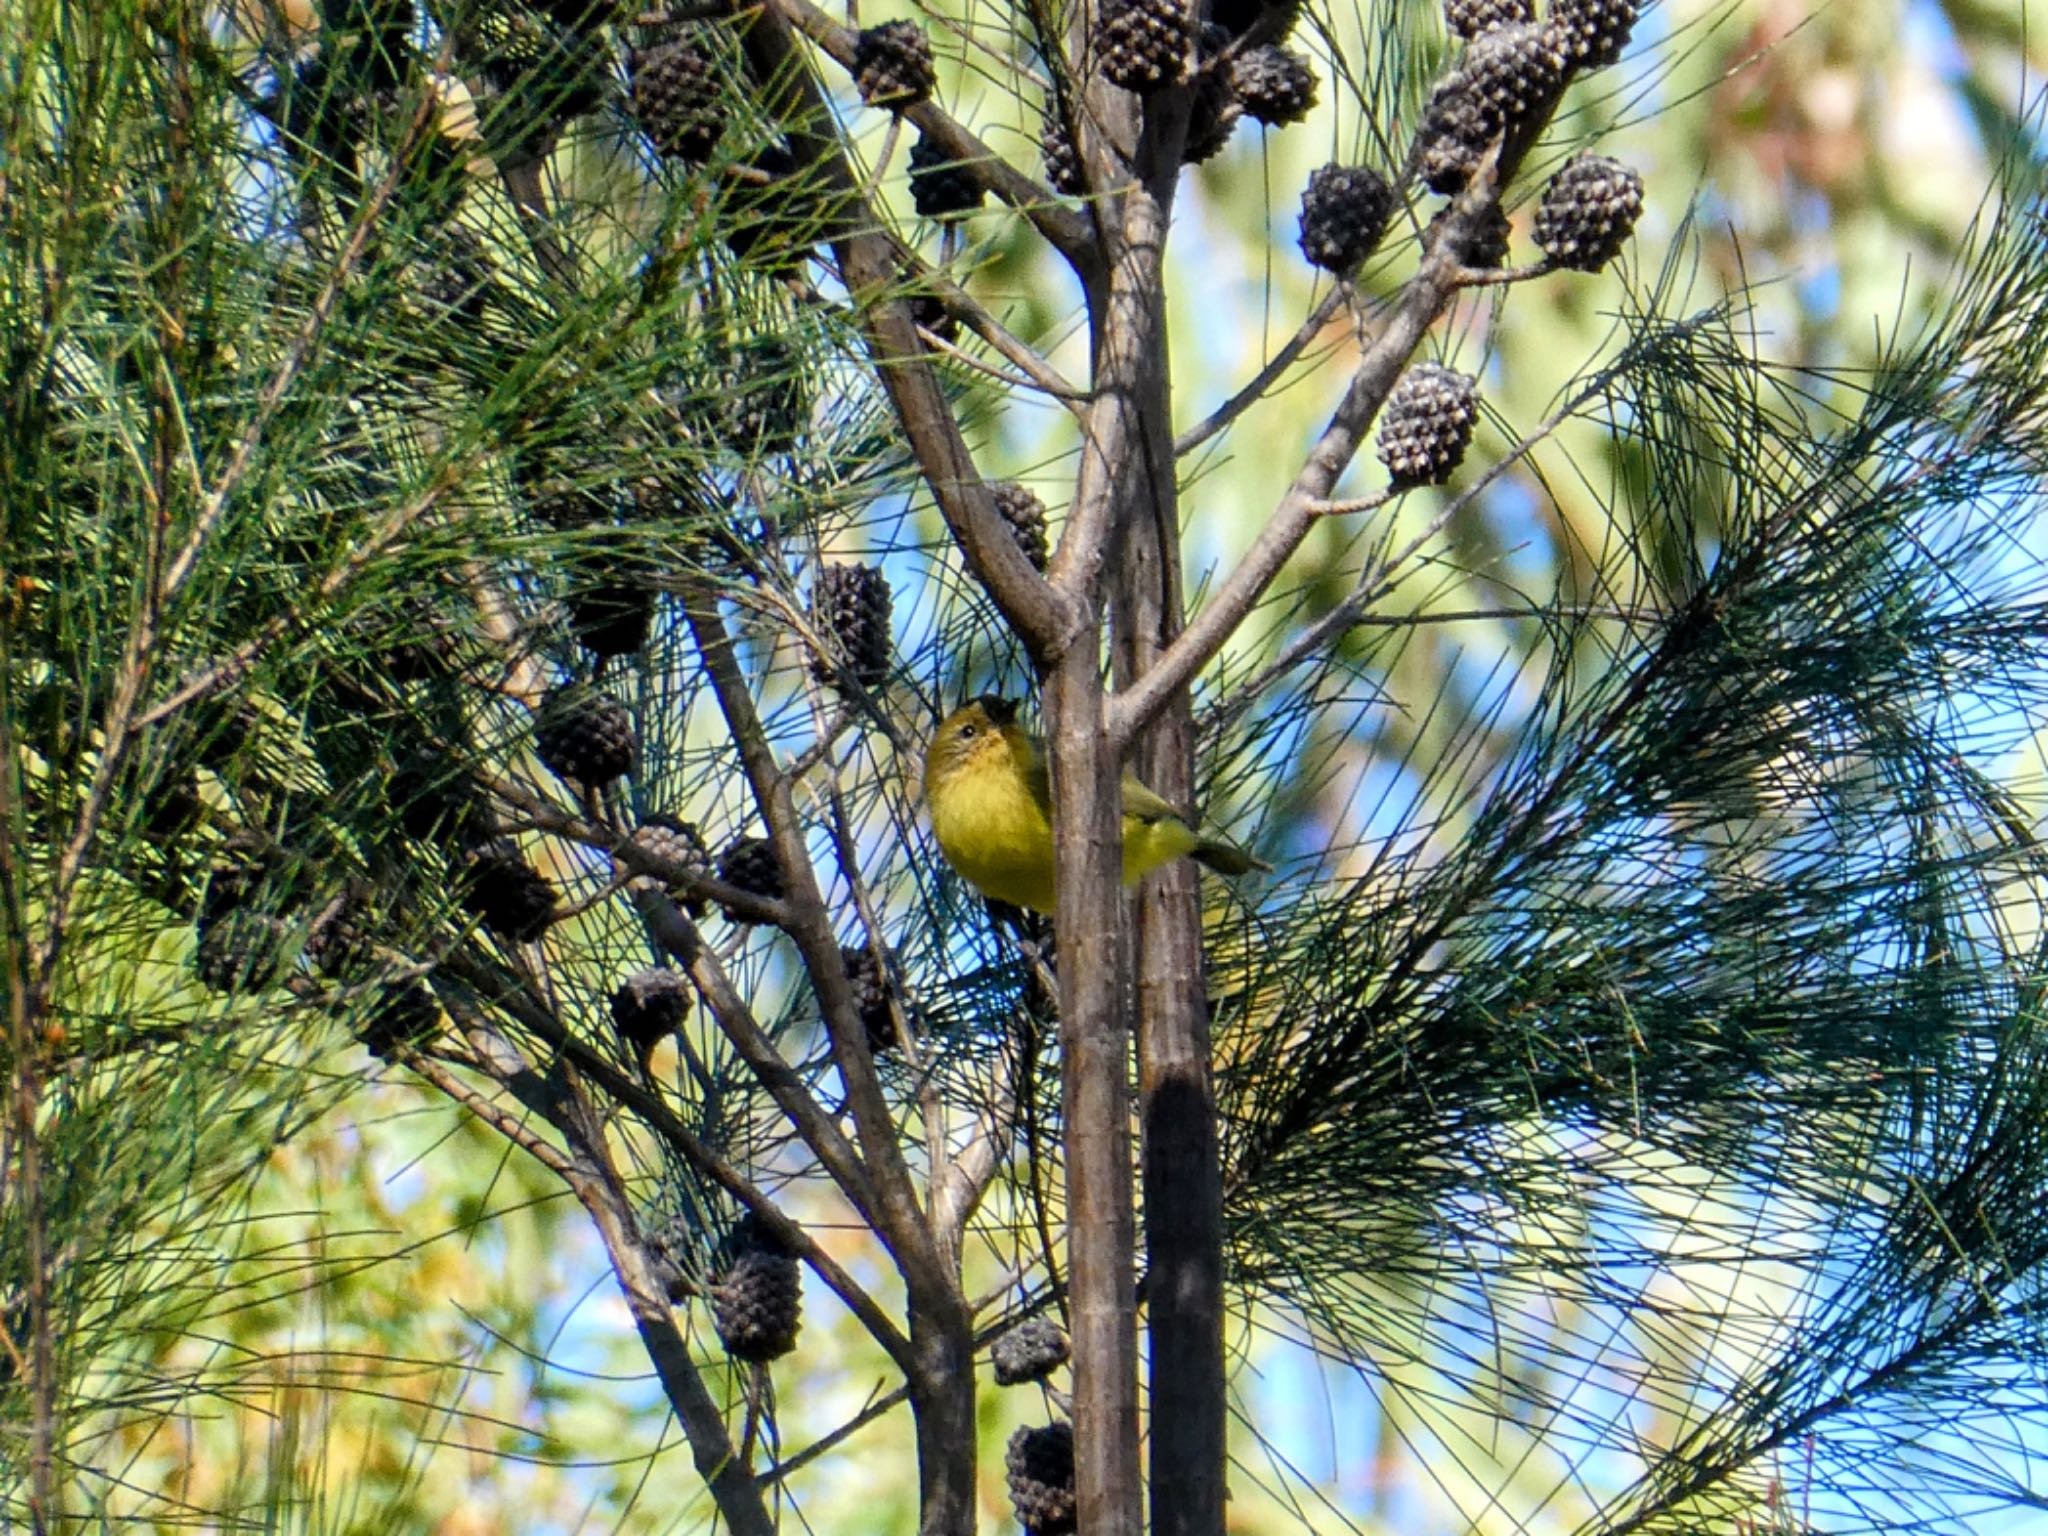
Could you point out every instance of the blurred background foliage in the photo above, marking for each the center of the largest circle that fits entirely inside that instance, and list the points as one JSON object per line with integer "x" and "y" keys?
{"x": 362, "y": 1313}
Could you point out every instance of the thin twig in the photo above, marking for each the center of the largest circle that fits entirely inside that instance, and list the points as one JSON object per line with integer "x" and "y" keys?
{"x": 871, "y": 267}
{"x": 1381, "y": 578}
{"x": 1255, "y": 389}
{"x": 664, "y": 1122}
{"x": 139, "y": 645}
{"x": 798, "y": 1460}
{"x": 1367, "y": 503}
{"x": 1500, "y": 277}
{"x": 810, "y": 926}
{"x": 585, "y": 1166}
{"x": 1065, "y": 231}
{"x": 517, "y": 1129}
{"x": 546, "y": 816}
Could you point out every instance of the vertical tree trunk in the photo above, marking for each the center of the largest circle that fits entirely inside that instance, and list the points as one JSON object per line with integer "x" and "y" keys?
{"x": 1124, "y": 484}
{"x": 1182, "y": 1184}
{"x": 942, "y": 1404}
{"x": 1095, "y": 1098}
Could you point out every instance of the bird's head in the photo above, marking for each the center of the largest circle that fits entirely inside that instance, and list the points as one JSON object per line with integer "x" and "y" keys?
{"x": 974, "y": 734}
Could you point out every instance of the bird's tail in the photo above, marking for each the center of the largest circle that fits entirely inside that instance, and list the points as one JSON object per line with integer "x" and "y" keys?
{"x": 1227, "y": 858}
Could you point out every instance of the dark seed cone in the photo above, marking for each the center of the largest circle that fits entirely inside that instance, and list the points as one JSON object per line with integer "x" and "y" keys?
{"x": 757, "y": 1301}
{"x": 1031, "y": 1351}
{"x": 611, "y": 616}
{"x": 1212, "y": 117}
{"x": 1450, "y": 139}
{"x": 1237, "y": 17}
{"x": 1143, "y": 45}
{"x": 1025, "y": 514}
{"x": 870, "y": 997}
{"x": 1503, "y": 77}
{"x": 1275, "y": 85}
{"x": 1427, "y": 424}
{"x": 1592, "y": 33}
{"x": 892, "y": 65}
{"x": 1040, "y": 1463}
{"x": 243, "y": 952}
{"x": 940, "y": 188}
{"x": 1344, "y": 211}
{"x": 343, "y": 942}
{"x": 850, "y": 609}
{"x": 772, "y": 221}
{"x": 675, "y": 100}
{"x": 437, "y": 801}
{"x": 650, "y": 1006}
{"x": 508, "y": 895}
{"x": 542, "y": 77}
{"x": 1485, "y": 248}
{"x": 584, "y": 736}
{"x": 765, "y": 405}
{"x": 677, "y": 842}
{"x": 1056, "y": 149}
{"x": 1469, "y": 18}
{"x": 404, "y": 1014}
{"x": 927, "y": 311}
{"x": 1588, "y": 212}
{"x": 751, "y": 865}
{"x": 671, "y": 1243}
{"x": 1509, "y": 72}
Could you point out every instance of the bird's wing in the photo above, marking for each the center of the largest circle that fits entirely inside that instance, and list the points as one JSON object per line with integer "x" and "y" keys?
{"x": 1030, "y": 754}
{"x": 1145, "y": 805}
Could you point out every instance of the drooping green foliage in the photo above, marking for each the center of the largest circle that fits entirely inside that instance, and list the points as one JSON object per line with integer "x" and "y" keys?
{"x": 1711, "y": 1012}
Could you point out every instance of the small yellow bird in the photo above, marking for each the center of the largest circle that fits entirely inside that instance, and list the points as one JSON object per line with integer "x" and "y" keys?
{"x": 985, "y": 780}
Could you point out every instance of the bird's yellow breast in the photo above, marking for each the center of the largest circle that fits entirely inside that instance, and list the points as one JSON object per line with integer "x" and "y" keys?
{"x": 993, "y": 830}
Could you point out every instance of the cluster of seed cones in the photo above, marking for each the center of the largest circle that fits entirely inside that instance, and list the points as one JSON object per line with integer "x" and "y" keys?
{"x": 1236, "y": 63}
{"x": 1510, "y": 74}
{"x": 262, "y": 913}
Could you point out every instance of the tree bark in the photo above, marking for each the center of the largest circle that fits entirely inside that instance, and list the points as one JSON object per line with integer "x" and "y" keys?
{"x": 1095, "y": 1098}
{"x": 1126, "y": 451}
{"x": 942, "y": 1405}
{"x": 1183, "y": 1195}
{"x": 1182, "y": 1183}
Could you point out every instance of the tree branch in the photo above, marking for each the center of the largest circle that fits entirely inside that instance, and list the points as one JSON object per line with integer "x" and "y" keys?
{"x": 584, "y": 1168}
{"x": 1255, "y": 388}
{"x": 1064, "y": 230}
{"x": 1424, "y": 299}
{"x": 664, "y": 1122}
{"x": 870, "y": 266}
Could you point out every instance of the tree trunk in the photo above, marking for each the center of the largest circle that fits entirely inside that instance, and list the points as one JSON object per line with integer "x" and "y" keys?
{"x": 942, "y": 1403}
{"x": 1182, "y": 1184}
{"x": 1095, "y": 1054}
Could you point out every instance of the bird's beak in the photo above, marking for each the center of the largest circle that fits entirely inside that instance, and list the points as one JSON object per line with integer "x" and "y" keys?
{"x": 1000, "y": 711}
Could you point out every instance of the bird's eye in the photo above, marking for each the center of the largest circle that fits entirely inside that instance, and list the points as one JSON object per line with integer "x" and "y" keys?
{"x": 967, "y": 733}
